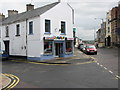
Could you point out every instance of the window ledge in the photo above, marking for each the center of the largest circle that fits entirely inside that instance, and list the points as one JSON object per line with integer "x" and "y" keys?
{"x": 17, "y": 35}
{"x": 30, "y": 34}
{"x": 47, "y": 33}
{"x": 6, "y": 36}
{"x": 62, "y": 34}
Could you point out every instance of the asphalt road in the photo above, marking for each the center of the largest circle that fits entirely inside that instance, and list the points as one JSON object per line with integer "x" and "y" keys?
{"x": 88, "y": 75}
{"x": 108, "y": 57}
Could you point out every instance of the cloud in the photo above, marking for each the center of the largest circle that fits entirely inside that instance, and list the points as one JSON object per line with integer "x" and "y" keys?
{"x": 85, "y": 12}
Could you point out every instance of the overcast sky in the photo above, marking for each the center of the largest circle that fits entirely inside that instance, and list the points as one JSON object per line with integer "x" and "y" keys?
{"x": 85, "y": 12}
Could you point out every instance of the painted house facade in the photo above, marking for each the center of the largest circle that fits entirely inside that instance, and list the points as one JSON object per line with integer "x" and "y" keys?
{"x": 40, "y": 34}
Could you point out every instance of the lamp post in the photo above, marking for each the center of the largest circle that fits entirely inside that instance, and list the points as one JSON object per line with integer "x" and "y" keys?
{"x": 102, "y": 25}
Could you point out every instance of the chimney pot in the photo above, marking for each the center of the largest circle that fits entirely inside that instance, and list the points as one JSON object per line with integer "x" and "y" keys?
{"x": 12, "y": 12}
{"x": 2, "y": 16}
{"x": 29, "y": 7}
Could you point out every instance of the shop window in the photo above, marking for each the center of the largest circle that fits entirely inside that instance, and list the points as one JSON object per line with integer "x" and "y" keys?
{"x": 68, "y": 46}
{"x": 63, "y": 27}
{"x": 47, "y": 26}
{"x": 48, "y": 47}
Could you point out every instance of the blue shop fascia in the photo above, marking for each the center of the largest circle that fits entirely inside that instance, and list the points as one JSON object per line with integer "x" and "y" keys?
{"x": 58, "y": 46}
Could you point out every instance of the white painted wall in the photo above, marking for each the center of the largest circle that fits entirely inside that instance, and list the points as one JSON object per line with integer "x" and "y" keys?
{"x": 34, "y": 45}
{"x": 16, "y": 42}
{"x": 61, "y": 12}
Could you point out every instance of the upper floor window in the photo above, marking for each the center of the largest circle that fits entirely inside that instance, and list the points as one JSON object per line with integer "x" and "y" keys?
{"x": 47, "y": 26}
{"x": 31, "y": 27}
{"x": 7, "y": 31}
{"x": 18, "y": 30}
{"x": 63, "y": 27}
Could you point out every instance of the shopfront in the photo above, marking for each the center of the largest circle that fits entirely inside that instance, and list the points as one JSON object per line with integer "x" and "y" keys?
{"x": 58, "y": 46}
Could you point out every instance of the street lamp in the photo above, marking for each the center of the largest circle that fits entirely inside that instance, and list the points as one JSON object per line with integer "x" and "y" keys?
{"x": 100, "y": 19}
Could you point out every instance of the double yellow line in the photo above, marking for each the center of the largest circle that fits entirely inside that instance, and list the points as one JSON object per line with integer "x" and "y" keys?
{"x": 14, "y": 81}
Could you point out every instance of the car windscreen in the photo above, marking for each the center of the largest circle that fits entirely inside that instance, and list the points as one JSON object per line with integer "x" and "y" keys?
{"x": 90, "y": 46}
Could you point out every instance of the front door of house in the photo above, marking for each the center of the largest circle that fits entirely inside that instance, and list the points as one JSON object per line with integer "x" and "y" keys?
{"x": 58, "y": 49}
{"x": 6, "y": 43}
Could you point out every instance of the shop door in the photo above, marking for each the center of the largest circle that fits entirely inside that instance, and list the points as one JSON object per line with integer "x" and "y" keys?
{"x": 58, "y": 49}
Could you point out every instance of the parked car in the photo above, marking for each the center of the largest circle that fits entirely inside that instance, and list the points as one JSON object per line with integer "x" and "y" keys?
{"x": 82, "y": 47}
{"x": 3, "y": 55}
{"x": 90, "y": 49}
{"x": 79, "y": 46}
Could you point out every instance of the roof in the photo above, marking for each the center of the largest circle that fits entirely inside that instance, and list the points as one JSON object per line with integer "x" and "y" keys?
{"x": 28, "y": 14}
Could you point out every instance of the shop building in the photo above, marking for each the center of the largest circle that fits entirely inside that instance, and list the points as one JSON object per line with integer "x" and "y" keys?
{"x": 39, "y": 34}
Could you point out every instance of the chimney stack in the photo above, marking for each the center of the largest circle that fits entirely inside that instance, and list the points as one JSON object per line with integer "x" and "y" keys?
{"x": 29, "y": 7}
{"x": 12, "y": 12}
{"x": 59, "y": 0}
{"x": 2, "y": 16}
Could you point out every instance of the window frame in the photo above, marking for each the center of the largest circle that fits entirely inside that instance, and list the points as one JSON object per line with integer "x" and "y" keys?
{"x": 31, "y": 28}
{"x": 47, "y": 21}
{"x": 63, "y": 23}
{"x": 17, "y": 29}
{"x": 7, "y": 31}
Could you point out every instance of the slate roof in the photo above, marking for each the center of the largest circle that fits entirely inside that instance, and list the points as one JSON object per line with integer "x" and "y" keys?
{"x": 28, "y": 14}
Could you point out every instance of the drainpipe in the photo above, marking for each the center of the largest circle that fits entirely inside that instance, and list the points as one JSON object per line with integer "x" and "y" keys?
{"x": 26, "y": 38}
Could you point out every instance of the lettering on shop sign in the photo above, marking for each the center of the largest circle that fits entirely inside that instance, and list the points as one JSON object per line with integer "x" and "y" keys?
{"x": 55, "y": 38}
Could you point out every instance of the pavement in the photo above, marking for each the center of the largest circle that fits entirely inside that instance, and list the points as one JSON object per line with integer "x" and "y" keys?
{"x": 4, "y": 81}
{"x": 78, "y": 57}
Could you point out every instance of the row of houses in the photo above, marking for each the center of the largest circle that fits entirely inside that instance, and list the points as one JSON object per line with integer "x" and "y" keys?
{"x": 109, "y": 33}
{"x": 38, "y": 34}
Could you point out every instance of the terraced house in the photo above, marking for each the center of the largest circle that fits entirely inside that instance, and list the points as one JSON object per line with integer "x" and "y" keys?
{"x": 41, "y": 33}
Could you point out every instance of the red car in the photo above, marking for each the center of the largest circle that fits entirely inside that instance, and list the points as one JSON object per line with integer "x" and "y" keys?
{"x": 90, "y": 49}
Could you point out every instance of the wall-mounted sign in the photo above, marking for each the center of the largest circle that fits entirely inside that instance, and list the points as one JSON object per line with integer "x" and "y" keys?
{"x": 55, "y": 38}
{"x": 70, "y": 38}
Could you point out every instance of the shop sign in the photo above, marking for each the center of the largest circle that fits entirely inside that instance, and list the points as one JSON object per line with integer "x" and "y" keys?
{"x": 55, "y": 38}
{"x": 70, "y": 38}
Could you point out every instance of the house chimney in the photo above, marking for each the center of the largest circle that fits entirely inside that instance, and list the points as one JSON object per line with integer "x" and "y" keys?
{"x": 2, "y": 16}
{"x": 59, "y": 0}
{"x": 12, "y": 12}
{"x": 29, "y": 7}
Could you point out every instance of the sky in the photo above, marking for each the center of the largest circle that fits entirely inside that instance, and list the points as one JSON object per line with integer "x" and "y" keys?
{"x": 85, "y": 12}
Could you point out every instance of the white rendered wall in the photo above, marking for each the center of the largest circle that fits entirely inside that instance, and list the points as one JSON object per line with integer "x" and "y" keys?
{"x": 16, "y": 43}
{"x": 61, "y": 12}
{"x": 34, "y": 45}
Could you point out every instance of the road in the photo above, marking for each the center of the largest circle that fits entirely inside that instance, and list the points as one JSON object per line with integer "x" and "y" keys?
{"x": 89, "y": 75}
{"x": 108, "y": 57}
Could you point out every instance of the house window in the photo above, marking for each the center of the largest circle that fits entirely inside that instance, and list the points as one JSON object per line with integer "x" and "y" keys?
{"x": 63, "y": 27}
{"x": 18, "y": 30}
{"x": 108, "y": 29}
{"x": 31, "y": 27}
{"x": 68, "y": 46}
{"x": 7, "y": 31}
{"x": 47, "y": 26}
{"x": 48, "y": 47}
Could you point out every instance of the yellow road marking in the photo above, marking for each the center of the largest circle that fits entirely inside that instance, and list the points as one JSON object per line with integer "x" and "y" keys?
{"x": 85, "y": 62}
{"x": 16, "y": 80}
{"x": 54, "y": 64}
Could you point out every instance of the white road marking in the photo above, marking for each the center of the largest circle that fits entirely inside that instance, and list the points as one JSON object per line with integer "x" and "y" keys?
{"x": 101, "y": 65}
{"x": 110, "y": 71}
{"x": 105, "y": 68}
{"x": 98, "y": 64}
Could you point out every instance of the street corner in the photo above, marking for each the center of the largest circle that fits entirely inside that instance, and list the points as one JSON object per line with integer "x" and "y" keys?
{"x": 9, "y": 81}
{"x": 4, "y": 81}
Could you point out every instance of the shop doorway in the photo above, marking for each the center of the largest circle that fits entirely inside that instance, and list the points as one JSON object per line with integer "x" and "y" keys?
{"x": 6, "y": 43}
{"x": 58, "y": 49}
